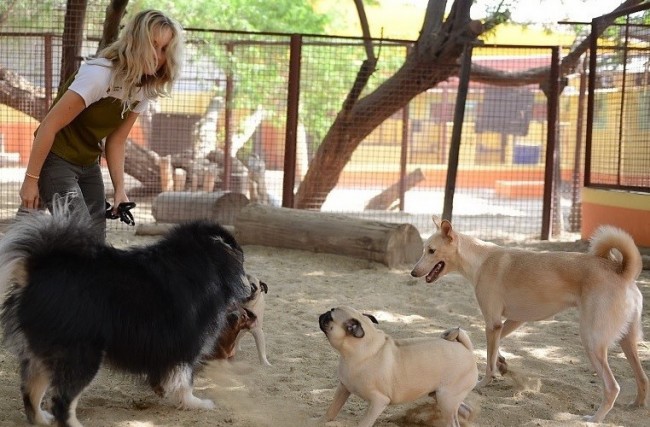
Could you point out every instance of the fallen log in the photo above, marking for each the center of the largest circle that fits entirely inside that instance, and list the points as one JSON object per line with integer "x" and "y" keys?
{"x": 386, "y": 198}
{"x": 392, "y": 244}
{"x": 182, "y": 206}
{"x": 162, "y": 228}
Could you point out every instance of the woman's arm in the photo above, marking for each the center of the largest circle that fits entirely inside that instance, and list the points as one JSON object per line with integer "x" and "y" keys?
{"x": 62, "y": 113}
{"x": 114, "y": 150}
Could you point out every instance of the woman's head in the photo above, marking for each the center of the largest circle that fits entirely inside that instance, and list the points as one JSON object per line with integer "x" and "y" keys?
{"x": 147, "y": 54}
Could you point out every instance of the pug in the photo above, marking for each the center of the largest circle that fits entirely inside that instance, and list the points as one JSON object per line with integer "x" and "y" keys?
{"x": 385, "y": 371}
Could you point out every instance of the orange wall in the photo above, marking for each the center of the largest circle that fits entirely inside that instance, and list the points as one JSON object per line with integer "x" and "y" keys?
{"x": 17, "y": 137}
{"x": 629, "y": 211}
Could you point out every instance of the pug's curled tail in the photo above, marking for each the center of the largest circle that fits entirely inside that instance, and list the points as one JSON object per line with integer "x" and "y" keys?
{"x": 458, "y": 334}
{"x": 606, "y": 239}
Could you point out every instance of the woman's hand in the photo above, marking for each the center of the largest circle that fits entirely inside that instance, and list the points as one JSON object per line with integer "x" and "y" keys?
{"x": 29, "y": 193}
{"x": 119, "y": 197}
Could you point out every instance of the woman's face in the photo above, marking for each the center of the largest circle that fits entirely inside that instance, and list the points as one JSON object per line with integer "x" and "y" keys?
{"x": 161, "y": 41}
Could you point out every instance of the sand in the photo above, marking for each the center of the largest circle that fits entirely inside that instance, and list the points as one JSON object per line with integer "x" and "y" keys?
{"x": 551, "y": 382}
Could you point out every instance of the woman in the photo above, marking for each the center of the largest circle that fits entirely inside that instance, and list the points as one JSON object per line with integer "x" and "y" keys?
{"x": 102, "y": 101}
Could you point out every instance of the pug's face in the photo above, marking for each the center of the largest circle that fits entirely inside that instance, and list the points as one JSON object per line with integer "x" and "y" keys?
{"x": 346, "y": 328}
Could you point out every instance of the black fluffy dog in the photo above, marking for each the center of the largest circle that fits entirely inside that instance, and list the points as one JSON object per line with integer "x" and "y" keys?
{"x": 72, "y": 303}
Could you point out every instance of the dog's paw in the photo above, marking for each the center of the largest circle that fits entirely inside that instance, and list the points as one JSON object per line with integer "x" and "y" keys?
{"x": 484, "y": 382}
{"x": 194, "y": 402}
{"x": 43, "y": 418}
{"x": 206, "y": 404}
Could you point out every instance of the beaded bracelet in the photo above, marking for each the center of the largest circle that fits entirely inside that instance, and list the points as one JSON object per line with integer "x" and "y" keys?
{"x": 32, "y": 176}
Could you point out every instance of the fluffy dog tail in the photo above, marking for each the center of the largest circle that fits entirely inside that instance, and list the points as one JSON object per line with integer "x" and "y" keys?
{"x": 458, "y": 334}
{"x": 606, "y": 239}
{"x": 37, "y": 233}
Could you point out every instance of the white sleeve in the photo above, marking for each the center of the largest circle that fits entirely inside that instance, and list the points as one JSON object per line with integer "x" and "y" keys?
{"x": 142, "y": 106}
{"x": 91, "y": 82}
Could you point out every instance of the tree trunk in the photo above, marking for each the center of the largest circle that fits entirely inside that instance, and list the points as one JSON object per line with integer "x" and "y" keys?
{"x": 433, "y": 60}
{"x": 394, "y": 245}
{"x": 75, "y": 19}
{"x": 20, "y": 94}
{"x": 114, "y": 13}
{"x": 143, "y": 165}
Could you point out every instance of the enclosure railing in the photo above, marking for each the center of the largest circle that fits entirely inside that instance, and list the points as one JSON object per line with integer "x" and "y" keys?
{"x": 618, "y": 125}
{"x": 252, "y": 108}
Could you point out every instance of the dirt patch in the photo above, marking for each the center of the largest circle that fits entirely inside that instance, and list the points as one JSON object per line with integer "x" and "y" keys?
{"x": 551, "y": 382}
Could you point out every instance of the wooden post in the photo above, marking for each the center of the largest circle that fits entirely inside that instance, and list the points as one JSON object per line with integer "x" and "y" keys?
{"x": 180, "y": 177}
{"x": 166, "y": 173}
{"x": 394, "y": 245}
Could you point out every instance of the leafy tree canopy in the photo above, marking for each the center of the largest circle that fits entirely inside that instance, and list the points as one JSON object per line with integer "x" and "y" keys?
{"x": 242, "y": 15}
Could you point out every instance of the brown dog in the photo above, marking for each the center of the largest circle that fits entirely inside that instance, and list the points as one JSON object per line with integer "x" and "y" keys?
{"x": 237, "y": 321}
{"x": 383, "y": 371}
{"x": 520, "y": 286}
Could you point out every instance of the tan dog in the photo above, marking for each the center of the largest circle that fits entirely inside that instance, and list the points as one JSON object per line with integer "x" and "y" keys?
{"x": 520, "y": 286}
{"x": 256, "y": 304}
{"x": 384, "y": 371}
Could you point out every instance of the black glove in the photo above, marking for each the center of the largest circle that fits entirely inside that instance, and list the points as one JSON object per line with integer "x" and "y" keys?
{"x": 123, "y": 212}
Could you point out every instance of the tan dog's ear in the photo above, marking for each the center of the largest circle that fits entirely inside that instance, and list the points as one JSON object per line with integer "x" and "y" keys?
{"x": 451, "y": 334}
{"x": 353, "y": 327}
{"x": 447, "y": 230}
{"x": 436, "y": 221}
{"x": 372, "y": 318}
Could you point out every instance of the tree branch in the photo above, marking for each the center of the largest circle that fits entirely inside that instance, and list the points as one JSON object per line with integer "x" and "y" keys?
{"x": 368, "y": 66}
{"x": 539, "y": 75}
{"x": 114, "y": 13}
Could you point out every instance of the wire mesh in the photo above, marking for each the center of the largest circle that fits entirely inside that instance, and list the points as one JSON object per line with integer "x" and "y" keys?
{"x": 221, "y": 139}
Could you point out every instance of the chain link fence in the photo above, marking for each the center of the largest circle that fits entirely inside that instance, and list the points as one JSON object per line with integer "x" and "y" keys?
{"x": 247, "y": 117}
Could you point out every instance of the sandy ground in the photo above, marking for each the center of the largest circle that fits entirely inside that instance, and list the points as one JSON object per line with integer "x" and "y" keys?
{"x": 551, "y": 384}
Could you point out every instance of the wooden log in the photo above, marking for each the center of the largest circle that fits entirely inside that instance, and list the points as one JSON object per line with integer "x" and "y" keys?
{"x": 143, "y": 165}
{"x": 153, "y": 229}
{"x": 386, "y": 198}
{"x": 392, "y": 244}
{"x": 161, "y": 228}
{"x": 182, "y": 206}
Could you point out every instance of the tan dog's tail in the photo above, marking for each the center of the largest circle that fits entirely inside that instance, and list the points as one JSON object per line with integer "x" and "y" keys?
{"x": 606, "y": 238}
{"x": 457, "y": 334}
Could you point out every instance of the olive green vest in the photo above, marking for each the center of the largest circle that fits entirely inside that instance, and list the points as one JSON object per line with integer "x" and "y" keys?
{"x": 80, "y": 141}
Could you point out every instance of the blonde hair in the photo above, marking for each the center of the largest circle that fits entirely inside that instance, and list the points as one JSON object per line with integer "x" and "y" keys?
{"x": 133, "y": 52}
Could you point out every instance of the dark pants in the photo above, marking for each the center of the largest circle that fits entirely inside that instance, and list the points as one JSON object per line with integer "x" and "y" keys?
{"x": 59, "y": 176}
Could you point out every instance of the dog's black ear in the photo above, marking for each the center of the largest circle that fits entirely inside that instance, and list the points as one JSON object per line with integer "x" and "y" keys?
{"x": 354, "y": 328}
{"x": 249, "y": 314}
{"x": 264, "y": 287}
{"x": 372, "y": 318}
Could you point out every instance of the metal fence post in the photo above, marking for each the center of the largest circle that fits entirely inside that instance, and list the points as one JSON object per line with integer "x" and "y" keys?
{"x": 293, "y": 100}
